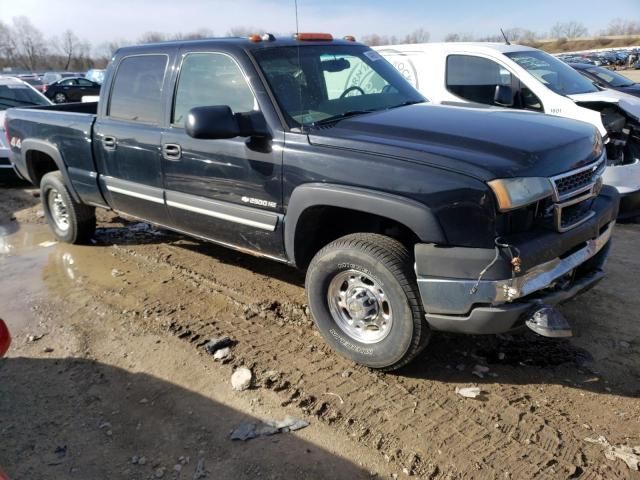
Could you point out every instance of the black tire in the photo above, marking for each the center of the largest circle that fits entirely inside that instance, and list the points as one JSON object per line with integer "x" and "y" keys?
{"x": 60, "y": 98}
{"x": 389, "y": 264}
{"x": 81, "y": 219}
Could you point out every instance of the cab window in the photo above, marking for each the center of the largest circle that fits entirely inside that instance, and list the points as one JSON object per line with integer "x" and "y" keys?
{"x": 136, "y": 94}
{"x": 475, "y": 78}
{"x": 208, "y": 79}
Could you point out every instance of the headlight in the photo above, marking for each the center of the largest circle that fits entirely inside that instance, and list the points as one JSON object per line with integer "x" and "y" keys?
{"x": 513, "y": 193}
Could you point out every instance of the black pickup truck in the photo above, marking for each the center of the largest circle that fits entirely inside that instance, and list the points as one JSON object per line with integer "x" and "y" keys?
{"x": 407, "y": 217}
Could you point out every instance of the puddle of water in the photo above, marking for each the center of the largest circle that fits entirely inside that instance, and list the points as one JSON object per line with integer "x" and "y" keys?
{"x": 21, "y": 263}
{"x": 32, "y": 266}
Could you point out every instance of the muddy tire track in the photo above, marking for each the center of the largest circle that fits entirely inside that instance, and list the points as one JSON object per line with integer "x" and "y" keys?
{"x": 419, "y": 424}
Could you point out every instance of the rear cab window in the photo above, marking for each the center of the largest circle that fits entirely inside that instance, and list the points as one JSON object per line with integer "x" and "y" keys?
{"x": 136, "y": 92}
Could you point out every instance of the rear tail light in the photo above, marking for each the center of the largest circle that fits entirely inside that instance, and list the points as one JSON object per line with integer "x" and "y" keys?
{"x": 310, "y": 37}
{"x": 44, "y": 88}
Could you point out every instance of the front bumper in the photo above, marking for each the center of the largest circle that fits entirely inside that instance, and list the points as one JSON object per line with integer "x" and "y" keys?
{"x": 499, "y": 302}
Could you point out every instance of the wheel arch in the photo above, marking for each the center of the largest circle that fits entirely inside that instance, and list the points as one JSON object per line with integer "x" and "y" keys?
{"x": 41, "y": 157}
{"x": 417, "y": 219}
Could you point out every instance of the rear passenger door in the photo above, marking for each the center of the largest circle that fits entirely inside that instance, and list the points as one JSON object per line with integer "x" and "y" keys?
{"x": 127, "y": 137}
{"x": 226, "y": 190}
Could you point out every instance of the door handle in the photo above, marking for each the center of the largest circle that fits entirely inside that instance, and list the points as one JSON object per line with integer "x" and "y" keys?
{"x": 109, "y": 142}
{"x": 171, "y": 151}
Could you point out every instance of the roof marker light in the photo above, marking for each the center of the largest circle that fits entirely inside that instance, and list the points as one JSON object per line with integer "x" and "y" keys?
{"x": 310, "y": 37}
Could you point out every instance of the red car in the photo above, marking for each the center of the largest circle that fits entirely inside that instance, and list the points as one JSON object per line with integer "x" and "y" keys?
{"x": 5, "y": 341}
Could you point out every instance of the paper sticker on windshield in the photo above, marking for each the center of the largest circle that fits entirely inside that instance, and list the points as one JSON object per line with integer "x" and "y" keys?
{"x": 373, "y": 55}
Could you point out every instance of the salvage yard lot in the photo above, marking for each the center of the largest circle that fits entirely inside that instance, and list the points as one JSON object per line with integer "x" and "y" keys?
{"x": 121, "y": 372}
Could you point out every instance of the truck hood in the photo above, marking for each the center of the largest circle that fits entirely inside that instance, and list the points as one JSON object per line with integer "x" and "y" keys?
{"x": 628, "y": 103}
{"x": 479, "y": 143}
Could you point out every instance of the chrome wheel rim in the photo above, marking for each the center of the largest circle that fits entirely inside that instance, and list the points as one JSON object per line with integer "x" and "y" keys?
{"x": 60, "y": 98}
{"x": 58, "y": 210}
{"x": 360, "y": 306}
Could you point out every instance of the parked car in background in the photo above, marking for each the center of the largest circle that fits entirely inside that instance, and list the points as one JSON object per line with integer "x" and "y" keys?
{"x": 608, "y": 79}
{"x": 407, "y": 217}
{"x": 514, "y": 76}
{"x": 71, "y": 89}
{"x": 50, "y": 77}
{"x": 35, "y": 82}
{"x": 14, "y": 93}
{"x": 95, "y": 75}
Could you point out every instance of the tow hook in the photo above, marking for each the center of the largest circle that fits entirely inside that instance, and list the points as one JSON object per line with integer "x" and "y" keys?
{"x": 548, "y": 322}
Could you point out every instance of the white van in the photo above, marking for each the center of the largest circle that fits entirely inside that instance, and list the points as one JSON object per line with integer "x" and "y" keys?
{"x": 515, "y": 76}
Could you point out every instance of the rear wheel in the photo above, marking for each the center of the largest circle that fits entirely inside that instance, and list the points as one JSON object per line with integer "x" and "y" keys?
{"x": 71, "y": 222}
{"x": 60, "y": 98}
{"x": 364, "y": 300}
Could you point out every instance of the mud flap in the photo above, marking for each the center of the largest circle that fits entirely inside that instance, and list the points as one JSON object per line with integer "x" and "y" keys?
{"x": 548, "y": 322}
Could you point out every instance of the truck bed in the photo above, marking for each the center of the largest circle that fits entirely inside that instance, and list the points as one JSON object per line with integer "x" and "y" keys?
{"x": 65, "y": 130}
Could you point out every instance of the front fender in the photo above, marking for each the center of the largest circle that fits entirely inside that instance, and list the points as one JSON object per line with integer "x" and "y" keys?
{"x": 413, "y": 215}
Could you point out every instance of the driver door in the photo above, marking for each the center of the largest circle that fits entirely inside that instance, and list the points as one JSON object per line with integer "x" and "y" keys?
{"x": 229, "y": 190}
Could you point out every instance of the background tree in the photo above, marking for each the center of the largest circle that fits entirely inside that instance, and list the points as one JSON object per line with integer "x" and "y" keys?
{"x": 28, "y": 43}
{"x": 243, "y": 31}
{"x": 621, "y": 26}
{"x": 568, "y": 30}
{"x": 419, "y": 35}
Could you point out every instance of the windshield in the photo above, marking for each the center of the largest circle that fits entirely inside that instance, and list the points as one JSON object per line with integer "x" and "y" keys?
{"x": 553, "y": 73}
{"x": 17, "y": 95}
{"x": 610, "y": 78}
{"x": 320, "y": 83}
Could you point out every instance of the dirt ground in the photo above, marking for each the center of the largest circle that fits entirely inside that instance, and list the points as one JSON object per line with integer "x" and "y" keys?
{"x": 121, "y": 371}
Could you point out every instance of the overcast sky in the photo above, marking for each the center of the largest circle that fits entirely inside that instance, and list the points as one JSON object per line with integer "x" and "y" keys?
{"x": 102, "y": 20}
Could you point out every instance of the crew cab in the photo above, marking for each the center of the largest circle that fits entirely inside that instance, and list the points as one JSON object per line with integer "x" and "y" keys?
{"x": 406, "y": 217}
{"x": 478, "y": 74}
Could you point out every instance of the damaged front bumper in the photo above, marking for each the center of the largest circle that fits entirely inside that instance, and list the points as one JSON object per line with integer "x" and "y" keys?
{"x": 456, "y": 301}
{"x": 626, "y": 180}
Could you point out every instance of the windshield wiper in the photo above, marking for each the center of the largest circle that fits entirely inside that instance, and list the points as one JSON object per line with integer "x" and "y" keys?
{"x": 408, "y": 102}
{"x": 340, "y": 116}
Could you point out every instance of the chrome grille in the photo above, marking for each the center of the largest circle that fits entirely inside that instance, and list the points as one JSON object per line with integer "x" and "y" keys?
{"x": 577, "y": 181}
{"x": 574, "y": 193}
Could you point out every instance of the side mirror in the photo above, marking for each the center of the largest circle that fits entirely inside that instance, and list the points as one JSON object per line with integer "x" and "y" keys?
{"x": 219, "y": 122}
{"x": 503, "y": 96}
{"x": 212, "y": 123}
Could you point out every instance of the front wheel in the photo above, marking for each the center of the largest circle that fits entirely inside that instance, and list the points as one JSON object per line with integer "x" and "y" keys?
{"x": 364, "y": 300}
{"x": 71, "y": 222}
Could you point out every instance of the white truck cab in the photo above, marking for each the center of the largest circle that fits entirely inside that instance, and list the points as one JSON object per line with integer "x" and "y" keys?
{"x": 498, "y": 75}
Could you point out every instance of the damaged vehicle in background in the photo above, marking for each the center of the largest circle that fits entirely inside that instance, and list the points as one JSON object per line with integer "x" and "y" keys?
{"x": 514, "y": 76}
{"x": 315, "y": 152}
{"x": 608, "y": 79}
{"x": 14, "y": 93}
